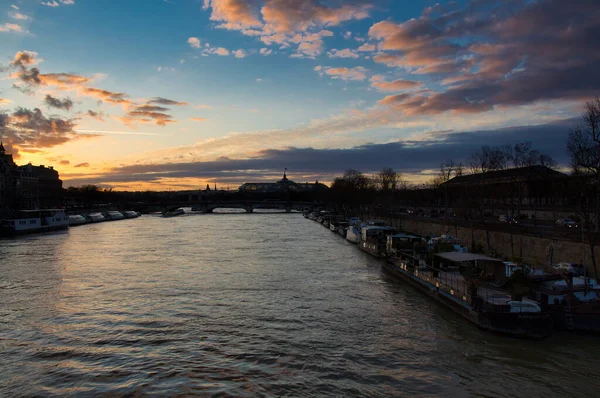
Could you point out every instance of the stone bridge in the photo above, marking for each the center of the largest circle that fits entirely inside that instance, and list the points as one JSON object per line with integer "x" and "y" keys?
{"x": 249, "y": 206}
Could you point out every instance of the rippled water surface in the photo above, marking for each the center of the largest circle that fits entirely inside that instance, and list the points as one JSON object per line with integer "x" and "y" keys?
{"x": 247, "y": 305}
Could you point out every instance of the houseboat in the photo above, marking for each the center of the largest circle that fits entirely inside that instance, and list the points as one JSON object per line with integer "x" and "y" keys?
{"x": 34, "y": 221}
{"x": 373, "y": 239}
{"x": 458, "y": 281}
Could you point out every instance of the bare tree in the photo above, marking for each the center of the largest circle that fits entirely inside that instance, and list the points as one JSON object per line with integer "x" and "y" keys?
{"x": 489, "y": 159}
{"x": 583, "y": 146}
{"x": 387, "y": 179}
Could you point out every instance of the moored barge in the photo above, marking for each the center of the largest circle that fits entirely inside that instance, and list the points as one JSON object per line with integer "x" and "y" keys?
{"x": 486, "y": 307}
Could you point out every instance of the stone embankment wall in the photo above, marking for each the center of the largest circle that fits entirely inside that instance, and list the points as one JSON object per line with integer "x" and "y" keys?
{"x": 533, "y": 250}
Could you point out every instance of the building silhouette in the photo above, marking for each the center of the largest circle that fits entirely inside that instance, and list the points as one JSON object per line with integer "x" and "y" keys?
{"x": 27, "y": 187}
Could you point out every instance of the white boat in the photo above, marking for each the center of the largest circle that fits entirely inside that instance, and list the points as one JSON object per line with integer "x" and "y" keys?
{"x": 33, "y": 221}
{"x": 96, "y": 217}
{"x": 353, "y": 233}
{"x": 130, "y": 214}
{"x": 77, "y": 219}
{"x": 113, "y": 215}
{"x": 353, "y": 230}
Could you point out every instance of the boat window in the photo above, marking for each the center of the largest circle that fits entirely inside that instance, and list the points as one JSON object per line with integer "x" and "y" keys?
{"x": 31, "y": 221}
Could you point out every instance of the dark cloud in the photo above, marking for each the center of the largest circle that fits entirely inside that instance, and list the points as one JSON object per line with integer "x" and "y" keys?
{"x": 53, "y": 102}
{"x": 491, "y": 53}
{"x": 95, "y": 115}
{"x": 85, "y": 164}
{"x": 28, "y": 129}
{"x": 409, "y": 157}
{"x": 23, "y": 59}
{"x": 64, "y": 162}
{"x": 151, "y": 108}
{"x": 164, "y": 101}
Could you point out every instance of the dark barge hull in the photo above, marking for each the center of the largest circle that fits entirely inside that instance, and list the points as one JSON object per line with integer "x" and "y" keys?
{"x": 581, "y": 321}
{"x": 372, "y": 252}
{"x": 8, "y": 232}
{"x": 526, "y": 325}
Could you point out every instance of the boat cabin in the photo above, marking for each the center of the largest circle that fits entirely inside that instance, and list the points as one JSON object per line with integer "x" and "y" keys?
{"x": 477, "y": 265}
{"x": 401, "y": 241}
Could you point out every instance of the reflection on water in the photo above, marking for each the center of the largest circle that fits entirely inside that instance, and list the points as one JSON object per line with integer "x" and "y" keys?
{"x": 244, "y": 305}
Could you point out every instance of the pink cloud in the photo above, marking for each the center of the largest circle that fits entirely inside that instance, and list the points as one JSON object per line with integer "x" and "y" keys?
{"x": 345, "y": 53}
{"x": 285, "y": 22}
{"x": 396, "y": 85}
{"x": 343, "y": 73}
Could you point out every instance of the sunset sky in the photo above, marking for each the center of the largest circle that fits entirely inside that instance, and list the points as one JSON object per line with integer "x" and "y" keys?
{"x": 175, "y": 94}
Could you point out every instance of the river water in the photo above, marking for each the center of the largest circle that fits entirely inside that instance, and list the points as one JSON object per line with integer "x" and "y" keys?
{"x": 247, "y": 305}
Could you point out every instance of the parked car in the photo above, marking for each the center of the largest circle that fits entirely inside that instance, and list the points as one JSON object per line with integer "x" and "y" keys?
{"x": 507, "y": 219}
{"x": 566, "y": 222}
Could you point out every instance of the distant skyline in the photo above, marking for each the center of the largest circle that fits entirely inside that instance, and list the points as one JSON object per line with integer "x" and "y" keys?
{"x": 177, "y": 94}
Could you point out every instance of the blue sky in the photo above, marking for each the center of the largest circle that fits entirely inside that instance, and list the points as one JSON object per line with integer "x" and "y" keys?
{"x": 331, "y": 75}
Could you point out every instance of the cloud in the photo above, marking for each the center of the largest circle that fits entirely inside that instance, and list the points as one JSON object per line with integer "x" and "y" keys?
{"x": 343, "y": 73}
{"x": 24, "y": 58}
{"x": 64, "y": 162}
{"x": 27, "y": 129}
{"x": 12, "y": 27}
{"x": 165, "y": 101}
{"x": 203, "y": 106}
{"x": 64, "y": 81}
{"x": 86, "y": 164}
{"x": 18, "y": 16}
{"x": 95, "y": 115}
{"x": 345, "y": 53}
{"x": 194, "y": 42}
{"x": 240, "y": 54}
{"x": 221, "y": 51}
{"x": 265, "y": 51}
{"x": 234, "y": 14}
{"x": 367, "y": 47}
{"x": 4, "y": 101}
{"x": 151, "y": 112}
{"x": 53, "y": 102}
{"x": 494, "y": 54}
{"x": 285, "y": 22}
{"x": 106, "y": 96}
{"x": 199, "y": 119}
{"x": 396, "y": 85}
{"x": 53, "y": 3}
{"x": 151, "y": 108}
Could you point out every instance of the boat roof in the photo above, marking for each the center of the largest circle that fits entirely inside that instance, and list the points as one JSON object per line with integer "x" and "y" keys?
{"x": 462, "y": 257}
{"x": 377, "y": 227}
{"x": 406, "y": 236}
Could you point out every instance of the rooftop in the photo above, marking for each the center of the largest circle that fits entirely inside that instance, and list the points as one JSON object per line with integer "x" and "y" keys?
{"x": 528, "y": 172}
